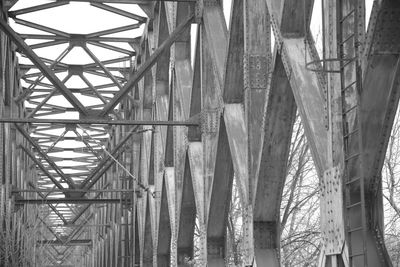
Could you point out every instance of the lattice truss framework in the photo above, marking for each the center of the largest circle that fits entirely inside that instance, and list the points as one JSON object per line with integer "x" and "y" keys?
{"x": 157, "y": 129}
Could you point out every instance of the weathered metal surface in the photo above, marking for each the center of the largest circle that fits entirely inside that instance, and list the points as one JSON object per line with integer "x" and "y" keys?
{"x": 187, "y": 218}
{"x": 238, "y": 140}
{"x": 218, "y": 194}
{"x": 279, "y": 119}
{"x": 239, "y": 104}
{"x": 257, "y": 69}
{"x": 233, "y": 84}
{"x": 164, "y": 230}
{"x": 182, "y": 86}
{"x": 333, "y": 235}
{"x": 172, "y": 208}
{"x": 308, "y": 98}
{"x": 216, "y": 35}
{"x": 386, "y": 38}
{"x": 280, "y": 116}
{"x": 196, "y": 165}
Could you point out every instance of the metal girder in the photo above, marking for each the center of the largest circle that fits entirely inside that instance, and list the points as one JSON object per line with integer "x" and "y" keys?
{"x": 80, "y": 38}
{"x": 73, "y": 191}
{"x": 72, "y": 201}
{"x": 53, "y": 208}
{"x": 119, "y": 12}
{"x": 102, "y": 167}
{"x": 139, "y": 2}
{"x": 235, "y": 92}
{"x": 141, "y": 71}
{"x": 49, "y": 228}
{"x": 45, "y": 70}
{"x": 43, "y": 168}
{"x": 83, "y": 210}
{"x": 67, "y": 179}
{"x": 190, "y": 122}
{"x": 12, "y": 14}
{"x": 74, "y": 225}
{"x": 41, "y": 28}
{"x": 76, "y": 242}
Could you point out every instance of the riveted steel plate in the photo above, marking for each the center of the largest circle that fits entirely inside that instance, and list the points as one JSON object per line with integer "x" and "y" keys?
{"x": 387, "y": 32}
{"x": 331, "y": 211}
{"x": 256, "y": 71}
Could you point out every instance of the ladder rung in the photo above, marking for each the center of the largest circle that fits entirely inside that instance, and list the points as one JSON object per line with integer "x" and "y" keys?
{"x": 348, "y": 61}
{"x": 349, "y": 86}
{"x": 347, "y": 16}
{"x": 354, "y": 205}
{"x": 353, "y": 180}
{"x": 347, "y": 38}
{"x": 351, "y": 133}
{"x": 355, "y": 229}
{"x": 356, "y": 255}
{"x": 350, "y": 109}
{"x": 352, "y": 156}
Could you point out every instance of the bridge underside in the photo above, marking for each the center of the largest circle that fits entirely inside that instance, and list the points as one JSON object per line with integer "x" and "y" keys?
{"x": 120, "y": 143}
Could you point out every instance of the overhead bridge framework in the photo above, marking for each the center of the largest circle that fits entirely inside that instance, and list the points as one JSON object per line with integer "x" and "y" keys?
{"x": 187, "y": 105}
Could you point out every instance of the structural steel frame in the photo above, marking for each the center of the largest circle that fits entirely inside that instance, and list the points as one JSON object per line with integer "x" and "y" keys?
{"x": 179, "y": 129}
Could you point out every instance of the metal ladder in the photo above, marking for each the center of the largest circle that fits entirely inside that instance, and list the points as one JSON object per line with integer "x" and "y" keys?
{"x": 350, "y": 84}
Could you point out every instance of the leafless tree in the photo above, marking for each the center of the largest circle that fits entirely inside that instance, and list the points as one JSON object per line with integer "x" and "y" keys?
{"x": 300, "y": 205}
{"x": 299, "y": 210}
{"x": 391, "y": 193}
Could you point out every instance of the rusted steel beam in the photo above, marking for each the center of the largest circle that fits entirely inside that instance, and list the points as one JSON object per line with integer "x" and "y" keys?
{"x": 72, "y": 190}
{"x": 71, "y": 201}
{"x": 190, "y": 122}
{"x": 77, "y": 242}
{"x": 128, "y": 1}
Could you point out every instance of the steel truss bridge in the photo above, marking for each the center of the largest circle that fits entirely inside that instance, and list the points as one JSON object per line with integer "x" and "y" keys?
{"x": 125, "y": 167}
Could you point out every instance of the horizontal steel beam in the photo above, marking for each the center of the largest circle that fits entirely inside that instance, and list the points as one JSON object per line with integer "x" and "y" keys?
{"x": 140, "y": 2}
{"x": 72, "y": 190}
{"x": 71, "y": 201}
{"x": 104, "y": 122}
{"x": 77, "y": 242}
{"x": 51, "y": 206}
{"x": 85, "y": 225}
